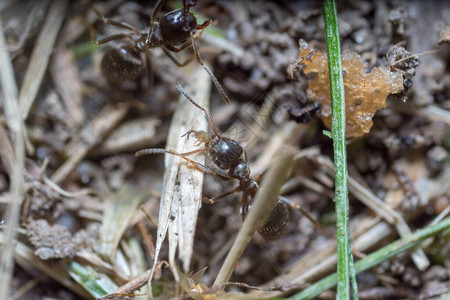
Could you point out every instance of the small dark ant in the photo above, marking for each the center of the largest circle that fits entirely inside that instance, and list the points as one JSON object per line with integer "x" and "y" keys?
{"x": 304, "y": 112}
{"x": 172, "y": 33}
{"x": 230, "y": 156}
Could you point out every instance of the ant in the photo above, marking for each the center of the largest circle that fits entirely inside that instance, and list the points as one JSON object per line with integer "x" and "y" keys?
{"x": 173, "y": 33}
{"x": 229, "y": 155}
{"x": 303, "y": 111}
{"x": 304, "y": 114}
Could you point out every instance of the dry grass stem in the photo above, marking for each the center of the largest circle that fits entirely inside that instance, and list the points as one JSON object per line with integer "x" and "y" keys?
{"x": 100, "y": 265}
{"x": 131, "y": 136}
{"x": 16, "y": 126}
{"x": 67, "y": 81}
{"x": 26, "y": 287}
{"x": 116, "y": 219}
{"x": 90, "y": 136}
{"x": 435, "y": 113}
{"x": 265, "y": 201}
{"x": 181, "y": 196}
{"x": 41, "y": 55}
{"x": 224, "y": 44}
{"x": 6, "y": 151}
{"x": 260, "y": 124}
{"x": 278, "y": 139}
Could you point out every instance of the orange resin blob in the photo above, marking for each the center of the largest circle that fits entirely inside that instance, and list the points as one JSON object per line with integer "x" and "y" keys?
{"x": 365, "y": 93}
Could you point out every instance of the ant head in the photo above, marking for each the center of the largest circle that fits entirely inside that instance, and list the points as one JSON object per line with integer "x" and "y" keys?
{"x": 177, "y": 26}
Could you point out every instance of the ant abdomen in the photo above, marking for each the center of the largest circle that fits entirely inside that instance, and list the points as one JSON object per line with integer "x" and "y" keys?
{"x": 277, "y": 223}
{"x": 122, "y": 64}
{"x": 177, "y": 25}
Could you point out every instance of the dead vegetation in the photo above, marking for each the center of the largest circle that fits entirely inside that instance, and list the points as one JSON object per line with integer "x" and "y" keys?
{"x": 89, "y": 210}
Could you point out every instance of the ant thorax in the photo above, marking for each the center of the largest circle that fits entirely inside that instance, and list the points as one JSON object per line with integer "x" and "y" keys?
{"x": 225, "y": 152}
{"x": 241, "y": 171}
{"x": 153, "y": 39}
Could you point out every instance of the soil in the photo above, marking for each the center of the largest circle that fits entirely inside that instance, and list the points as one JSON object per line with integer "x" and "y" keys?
{"x": 403, "y": 160}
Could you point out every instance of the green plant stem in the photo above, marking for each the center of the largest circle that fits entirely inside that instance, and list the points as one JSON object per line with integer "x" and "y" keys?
{"x": 376, "y": 258}
{"x": 345, "y": 259}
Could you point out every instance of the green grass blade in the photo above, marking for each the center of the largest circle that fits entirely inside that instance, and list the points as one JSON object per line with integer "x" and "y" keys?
{"x": 96, "y": 284}
{"x": 345, "y": 258}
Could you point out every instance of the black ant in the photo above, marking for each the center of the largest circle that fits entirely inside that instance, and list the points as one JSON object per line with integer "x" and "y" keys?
{"x": 304, "y": 114}
{"x": 230, "y": 156}
{"x": 304, "y": 111}
{"x": 173, "y": 33}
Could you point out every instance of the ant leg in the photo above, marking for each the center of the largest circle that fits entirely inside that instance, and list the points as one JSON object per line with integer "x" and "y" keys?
{"x": 108, "y": 39}
{"x": 208, "y": 115}
{"x": 150, "y": 77}
{"x": 183, "y": 46}
{"x": 245, "y": 152}
{"x": 305, "y": 213}
{"x": 195, "y": 164}
{"x": 93, "y": 31}
{"x": 168, "y": 48}
{"x": 105, "y": 20}
{"x": 217, "y": 198}
{"x": 200, "y": 61}
{"x": 175, "y": 60}
{"x": 205, "y": 67}
{"x": 195, "y": 151}
{"x": 244, "y": 205}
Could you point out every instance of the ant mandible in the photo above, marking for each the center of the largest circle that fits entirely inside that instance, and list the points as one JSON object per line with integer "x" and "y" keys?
{"x": 230, "y": 156}
{"x": 172, "y": 33}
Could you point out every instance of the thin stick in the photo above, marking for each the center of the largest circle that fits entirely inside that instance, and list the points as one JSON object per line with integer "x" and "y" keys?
{"x": 41, "y": 55}
{"x": 413, "y": 55}
{"x": 16, "y": 126}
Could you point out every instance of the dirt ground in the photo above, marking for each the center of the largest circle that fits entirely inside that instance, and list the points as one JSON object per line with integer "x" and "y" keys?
{"x": 83, "y": 131}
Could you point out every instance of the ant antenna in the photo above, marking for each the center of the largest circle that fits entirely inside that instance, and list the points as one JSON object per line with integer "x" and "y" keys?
{"x": 213, "y": 78}
{"x": 208, "y": 115}
{"x": 157, "y": 9}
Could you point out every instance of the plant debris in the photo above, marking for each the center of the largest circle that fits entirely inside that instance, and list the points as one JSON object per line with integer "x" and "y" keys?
{"x": 56, "y": 241}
